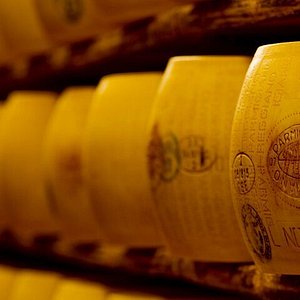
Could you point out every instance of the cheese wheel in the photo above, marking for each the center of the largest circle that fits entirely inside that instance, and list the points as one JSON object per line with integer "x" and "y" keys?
{"x": 7, "y": 277}
{"x": 79, "y": 290}
{"x": 3, "y": 209}
{"x": 70, "y": 20}
{"x": 188, "y": 155}
{"x": 22, "y": 27}
{"x": 63, "y": 165}
{"x": 30, "y": 284}
{"x": 23, "y": 123}
{"x": 73, "y": 20}
{"x": 265, "y": 165}
{"x": 131, "y": 296}
{"x": 115, "y": 159}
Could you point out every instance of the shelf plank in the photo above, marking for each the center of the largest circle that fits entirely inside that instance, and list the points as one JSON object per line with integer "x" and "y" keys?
{"x": 205, "y": 27}
{"x": 238, "y": 279}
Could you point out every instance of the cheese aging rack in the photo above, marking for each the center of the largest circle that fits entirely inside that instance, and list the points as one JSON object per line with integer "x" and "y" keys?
{"x": 191, "y": 28}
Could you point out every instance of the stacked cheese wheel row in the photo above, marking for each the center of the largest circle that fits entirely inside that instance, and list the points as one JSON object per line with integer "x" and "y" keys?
{"x": 139, "y": 161}
{"x": 144, "y": 160}
{"x": 25, "y": 284}
{"x": 29, "y": 27}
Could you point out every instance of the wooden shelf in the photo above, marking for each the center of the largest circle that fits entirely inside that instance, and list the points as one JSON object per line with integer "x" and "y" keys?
{"x": 206, "y": 27}
{"x": 155, "y": 264}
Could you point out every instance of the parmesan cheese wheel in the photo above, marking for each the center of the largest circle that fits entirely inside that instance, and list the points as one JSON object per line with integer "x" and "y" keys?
{"x": 63, "y": 165}
{"x": 3, "y": 209}
{"x": 22, "y": 28}
{"x": 70, "y": 20}
{"x": 79, "y": 290}
{"x": 188, "y": 157}
{"x": 131, "y": 296}
{"x": 265, "y": 158}
{"x": 30, "y": 284}
{"x": 115, "y": 159}
{"x": 7, "y": 277}
{"x": 23, "y": 124}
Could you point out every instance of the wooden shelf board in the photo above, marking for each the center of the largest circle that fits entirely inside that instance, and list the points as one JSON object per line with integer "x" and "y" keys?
{"x": 206, "y": 27}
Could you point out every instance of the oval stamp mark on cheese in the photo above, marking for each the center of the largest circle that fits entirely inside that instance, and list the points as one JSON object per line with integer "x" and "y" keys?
{"x": 256, "y": 233}
{"x": 196, "y": 156}
{"x": 243, "y": 173}
{"x": 163, "y": 157}
{"x": 283, "y": 161}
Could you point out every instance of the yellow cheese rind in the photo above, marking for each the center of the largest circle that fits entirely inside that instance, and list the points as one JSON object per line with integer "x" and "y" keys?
{"x": 30, "y": 284}
{"x": 79, "y": 290}
{"x": 23, "y": 125}
{"x": 62, "y": 156}
{"x": 22, "y": 27}
{"x": 115, "y": 159}
{"x": 70, "y": 21}
{"x": 131, "y": 296}
{"x": 188, "y": 157}
{"x": 7, "y": 277}
{"x": 265, "y": 158}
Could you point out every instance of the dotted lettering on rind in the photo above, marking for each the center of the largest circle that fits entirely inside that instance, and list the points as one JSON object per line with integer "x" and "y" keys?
{"x": 283, "y": 162}
{"x": 196, "y": 157}
{"x": 243, "y": 173}
{"x": 256, "y": 233}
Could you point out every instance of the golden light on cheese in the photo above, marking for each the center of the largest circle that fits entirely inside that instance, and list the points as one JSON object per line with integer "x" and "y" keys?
{"x": 115, "y": 159}
{"x": 79, "y": 290}
{"x": 22, "y": 129}
{"x": 132, "y": 296}
{"x": 63, "y": 165}
{"x": 3, "y": 209}
{"x": 69, "y": 21}
{"x": 7, "y": 277}
{"x": 265, "y": 172}
{"x": 22, "y": 28}
{"x": 188, "y": 154}
{"x": 30, "y": 284}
